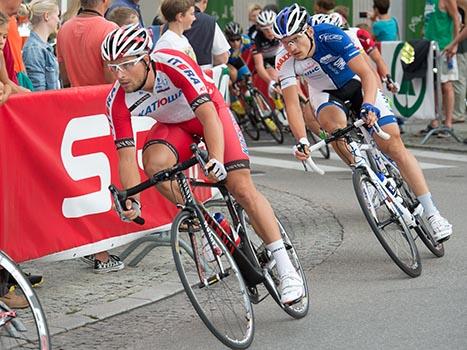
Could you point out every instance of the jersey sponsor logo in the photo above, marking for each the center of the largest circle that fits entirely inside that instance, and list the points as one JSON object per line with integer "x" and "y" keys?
{"x": 200, "y": 100}
{"x": 340, "y": 63}
{"x": 282, "y": 60}
{"x": 330, "y": 37}
{"x": 159, "y": 103}
{"x": 187, "y": 70}
{"x": 162, "y": 84}
{"x": 309, "y": 72}
{"x": 327, "y": 59}
{"x": 111, "y": 96}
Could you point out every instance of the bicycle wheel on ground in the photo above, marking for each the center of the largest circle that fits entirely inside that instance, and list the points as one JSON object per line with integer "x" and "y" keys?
{"x": 392, "y": 232}
{"x": 265, "y": 259}
{"x": 315, "y": 139}
{"x": 22, "y": 321}
{"x": 219, "y": 296}
{"x": 248, "y": 124}
{"x": 423, "y": 228}
{"x": 268, "y": 117}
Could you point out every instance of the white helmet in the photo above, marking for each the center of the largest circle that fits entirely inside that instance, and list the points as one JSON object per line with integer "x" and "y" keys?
{"x": 291, "y": 20}
{"x": 334, "y": 19}
{"x": 266, "y": 18}
{"x": 130, "y": 40}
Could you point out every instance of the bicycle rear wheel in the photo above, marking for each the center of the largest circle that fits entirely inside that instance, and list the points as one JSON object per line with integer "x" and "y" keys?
{"x": 391, "y": 231}
{"x": 265, "y": 259}
{"x": 22, "y": 324}
{"x": 220, "y": 299}
{"x": 248, "y": 124}
{"x": 268, "y": 117}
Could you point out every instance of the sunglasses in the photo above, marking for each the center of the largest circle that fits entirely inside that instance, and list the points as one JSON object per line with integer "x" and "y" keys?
{"x": 235, "y": 39}
{"x": 124, "y": 66}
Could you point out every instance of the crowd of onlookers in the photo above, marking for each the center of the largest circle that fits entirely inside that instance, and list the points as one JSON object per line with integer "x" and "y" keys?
{"x": 41, "y": 49}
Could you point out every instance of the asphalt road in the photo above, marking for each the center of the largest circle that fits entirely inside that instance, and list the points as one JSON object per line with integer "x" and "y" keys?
{"x": 359, "y": 300}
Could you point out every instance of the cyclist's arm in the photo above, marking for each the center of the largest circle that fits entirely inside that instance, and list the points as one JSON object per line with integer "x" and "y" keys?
{"x": 259, "y": 66}
{"x": 369, "y": 81}
{"x": 381, "y": 66}
{"x": 294, "y": 111}
{"x": 128, "y": 168}
{"x": 213, "y": 131}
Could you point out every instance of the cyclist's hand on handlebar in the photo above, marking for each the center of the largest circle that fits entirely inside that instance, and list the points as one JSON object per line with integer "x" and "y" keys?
{"x": 391, "y": 84}
{"x": 133, "y": 210}
{"x": 216, "y": 170}
{"x": 301, "y": 149}
{"x": 369, "y": 113}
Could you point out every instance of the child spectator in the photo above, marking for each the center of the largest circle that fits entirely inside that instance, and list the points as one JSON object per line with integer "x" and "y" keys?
{"x": 385, "y": 27}
{"x": 123, "y": 16}
{"x": 38, "y": 56}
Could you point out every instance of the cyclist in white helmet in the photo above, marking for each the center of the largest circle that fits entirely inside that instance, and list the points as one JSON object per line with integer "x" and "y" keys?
{"x": 266, "y": 49}
{"x": 170, "y": 87}
{"x": 336, "y": 72}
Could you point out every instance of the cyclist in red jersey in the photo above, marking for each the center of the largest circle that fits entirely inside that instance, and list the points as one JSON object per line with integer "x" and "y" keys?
{"x": 170, "y": 87}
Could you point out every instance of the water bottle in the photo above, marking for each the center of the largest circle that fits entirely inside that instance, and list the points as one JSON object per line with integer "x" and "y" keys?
{"x": 384, "y": 180}
{"x": 248, "y": 97}
{"x": 222, "y": 221}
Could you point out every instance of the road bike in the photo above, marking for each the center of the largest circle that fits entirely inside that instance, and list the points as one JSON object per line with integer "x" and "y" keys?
{"x": 256, "y": 113}
{"x": 390, "y": 207}
{"x": 25, "y": 327}
{"x": 221, "y": 275}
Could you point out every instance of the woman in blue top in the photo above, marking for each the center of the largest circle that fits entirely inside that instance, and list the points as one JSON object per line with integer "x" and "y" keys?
{"x": 385, "y": 27}
{"x": 38, "y": 56}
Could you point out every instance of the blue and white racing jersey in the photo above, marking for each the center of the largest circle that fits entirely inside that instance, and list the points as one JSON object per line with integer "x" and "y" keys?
{"x": 327, "y": 69}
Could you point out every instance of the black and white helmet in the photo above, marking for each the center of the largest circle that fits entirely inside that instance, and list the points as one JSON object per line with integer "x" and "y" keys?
{"x": 266, "y": 18}
{"x": 291, "y": 20}
{"x": 334, "y": 19}
{"x": 130, "y": 40}
{"x": 232, "y": 30}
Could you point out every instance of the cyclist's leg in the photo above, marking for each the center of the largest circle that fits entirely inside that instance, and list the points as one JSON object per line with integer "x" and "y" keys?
{"x": 331, "y": 116}
{"x": 409, "y": 167}
{"x": 258, "y": 208}
{"x": 163, "y": 149}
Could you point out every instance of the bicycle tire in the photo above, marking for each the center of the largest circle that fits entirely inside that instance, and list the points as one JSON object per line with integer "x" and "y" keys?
{"x": 186, "y": 267}
{"x": 248, "y": 124}
{"x": 299, "y": 309}
{"x": 315, "y": 139}
{"x": 268, "y": 117}
{"x": 29, "y": 325}
{"x": 423, "y": 228}
{"x": 370, "y": 201}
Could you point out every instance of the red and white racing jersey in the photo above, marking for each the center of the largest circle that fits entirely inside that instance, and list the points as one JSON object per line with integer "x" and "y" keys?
{"x": 180, "y": 87}
{"x": 362, "y": 39}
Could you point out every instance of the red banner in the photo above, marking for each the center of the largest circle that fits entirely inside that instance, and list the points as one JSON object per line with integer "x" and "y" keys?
{"x": 57, "y": 159}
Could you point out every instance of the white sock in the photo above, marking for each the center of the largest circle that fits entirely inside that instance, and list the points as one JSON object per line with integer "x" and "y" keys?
{"x": 284, "y": 265}
{"x": 427, "y": 203}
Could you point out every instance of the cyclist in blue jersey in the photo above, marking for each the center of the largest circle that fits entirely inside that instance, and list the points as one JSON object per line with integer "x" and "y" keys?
{"x": 335, "y": 73}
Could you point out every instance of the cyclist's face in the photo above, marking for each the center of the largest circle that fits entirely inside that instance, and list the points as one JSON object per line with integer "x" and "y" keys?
{"x": 235, "y": 43}
{"x": 129, "y": 71}
{"x": 299, "y": 45}
{"x": 268, "y": 33}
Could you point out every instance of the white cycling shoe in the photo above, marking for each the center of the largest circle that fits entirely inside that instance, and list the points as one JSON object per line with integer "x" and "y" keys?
{"x": 291, "y": 287}
{"x": 442, "y": 229}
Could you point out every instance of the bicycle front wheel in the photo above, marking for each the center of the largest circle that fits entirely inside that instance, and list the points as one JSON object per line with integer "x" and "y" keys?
{"x": 215, "y": 288}
{"x": 392, "y": 232}
{"x": 22, "y": 320}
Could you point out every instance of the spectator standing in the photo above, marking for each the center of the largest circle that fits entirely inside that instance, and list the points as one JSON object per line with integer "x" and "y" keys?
{"x": 324, "y": 6}
{"x": 180, "y": 15}
{"x": 78, "y": 46}
{"x": 72, "y": 9}
{"x": 79, "y": 58}
{"x": 385, "y": 27}
{"x": 133, "y": 4}
{"x": 207, "y": 39}
{"x": 442, "y": 25}
{"x": 460, "y": 86}
{"x": 123, "y": 16}
{"x": 38, "y": 56}
{"x": 16, "y": 44}
{"x": 253, "y": 12}
{"x": 5, "y": 88}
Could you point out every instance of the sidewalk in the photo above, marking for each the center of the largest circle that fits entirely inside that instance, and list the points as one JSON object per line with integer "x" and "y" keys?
{"x": 412, "y": 139}
{"x": 73, "y": 296}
